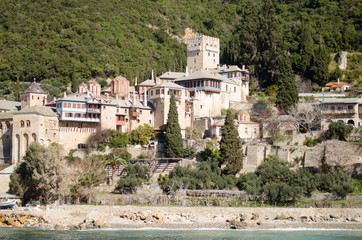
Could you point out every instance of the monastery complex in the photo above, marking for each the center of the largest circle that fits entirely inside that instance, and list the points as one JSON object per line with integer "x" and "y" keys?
{"x": 201, "y": 92}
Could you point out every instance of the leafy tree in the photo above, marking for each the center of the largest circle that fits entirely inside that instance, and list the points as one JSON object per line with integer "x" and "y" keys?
{"x": 136, "y": 175}
{"x": 40, "y": 175}
{"x": 339, "y": 130}
{"x": 173, "y": 141}
{"x": 122, "y": 153}
{"x": 142, "y": 134}
{"x": 319, "y": 69}
{"x": 287, "y": 90}
{"x": 211, "y": 152}
{"x": 231, "y": 147}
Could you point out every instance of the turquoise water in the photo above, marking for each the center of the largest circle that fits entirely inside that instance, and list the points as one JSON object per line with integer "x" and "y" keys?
{"x": 31, "y": 233}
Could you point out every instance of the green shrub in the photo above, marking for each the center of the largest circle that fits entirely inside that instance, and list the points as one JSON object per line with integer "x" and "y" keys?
{"x": 309, "y": 142}
{"x": 189, "y": 152}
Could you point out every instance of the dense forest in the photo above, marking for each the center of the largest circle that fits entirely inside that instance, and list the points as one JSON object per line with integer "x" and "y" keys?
{"x": 68, "y": 41}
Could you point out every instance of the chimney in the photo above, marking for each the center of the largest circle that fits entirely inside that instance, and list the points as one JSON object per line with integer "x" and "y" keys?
{"x": 107, "y": 96}
{"x": 135, "y": 81}
{"x": 145, "y": 97}
{"x": 224, "y": 67}
{"x": 187, "y": 71}
{"x": 152, "y": 75}
{"x": 65, "y": 94}
{"x": 338, "y": 82}
{"x": 243, "y": 67}
{"x": 134, "y": 96}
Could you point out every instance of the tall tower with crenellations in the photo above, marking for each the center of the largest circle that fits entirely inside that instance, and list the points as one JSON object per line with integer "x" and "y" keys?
{"x": 203, "y": 52}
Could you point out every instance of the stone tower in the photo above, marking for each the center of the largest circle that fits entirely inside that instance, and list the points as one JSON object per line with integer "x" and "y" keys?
{"x": 203, "y": 52}
{"x": 33, "y": 96}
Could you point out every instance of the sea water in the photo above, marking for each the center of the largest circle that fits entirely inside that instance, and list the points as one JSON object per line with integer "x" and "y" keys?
{"x": 280, "y": 234}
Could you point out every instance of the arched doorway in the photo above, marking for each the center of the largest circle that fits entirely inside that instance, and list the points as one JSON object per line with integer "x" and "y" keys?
{"x": 34, "y": 137}
{"x": 351, "y": 122}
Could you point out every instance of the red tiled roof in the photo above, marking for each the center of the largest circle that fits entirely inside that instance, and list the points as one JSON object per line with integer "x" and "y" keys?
{"x": 336, "y": 85}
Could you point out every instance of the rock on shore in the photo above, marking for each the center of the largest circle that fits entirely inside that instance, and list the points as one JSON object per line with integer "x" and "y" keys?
{"x": 82, "y": 217}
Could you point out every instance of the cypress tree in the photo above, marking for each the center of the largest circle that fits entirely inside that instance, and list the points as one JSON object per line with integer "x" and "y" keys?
{"x": 231, "y": 147}
{"x": 287, "y": 89}
{"x": 269, "y": 44}
{"x": 17, "y": 91}
{"x": 319, "y": 70}
{"x": 173, "y": 143}
{"x": 306, "y": 51}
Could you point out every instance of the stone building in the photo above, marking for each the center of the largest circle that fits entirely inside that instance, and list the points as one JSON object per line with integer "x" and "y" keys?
{"x": 347, "y": 110}
{"x": 92, "y": 87}
{"x": 120, "y": 87}
{"x": 33, "y": 96}
{"x": 160, "y": 96}
{"x": 203, "y": 52}
{"x": 8, "y": 106}
{"x": 6, "y": 126}
{"x": 33, "y": 124}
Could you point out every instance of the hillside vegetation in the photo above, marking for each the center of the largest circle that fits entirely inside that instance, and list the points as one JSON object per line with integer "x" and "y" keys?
{"x": 63, "y": 41}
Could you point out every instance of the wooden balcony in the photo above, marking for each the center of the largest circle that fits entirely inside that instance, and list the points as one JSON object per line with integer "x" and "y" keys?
{"x": 133, "y": 112}
{"x": 337, "y": 112}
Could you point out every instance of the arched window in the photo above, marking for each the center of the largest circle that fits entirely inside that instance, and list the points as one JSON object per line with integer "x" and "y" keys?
{"x": 22, "y": 124}
{"x": 28, "y": 123}
{"x": 7, "y": 124}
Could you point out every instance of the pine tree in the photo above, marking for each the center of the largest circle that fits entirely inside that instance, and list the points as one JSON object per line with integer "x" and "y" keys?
{"x": 319, "y": 70}
{"x": 287, "y": 89}
{"x": 231, "y": 147}
{"x": 173, "y": 142}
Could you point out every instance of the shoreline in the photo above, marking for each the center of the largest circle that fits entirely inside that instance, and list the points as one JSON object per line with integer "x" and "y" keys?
{"x": 87, "y": 217}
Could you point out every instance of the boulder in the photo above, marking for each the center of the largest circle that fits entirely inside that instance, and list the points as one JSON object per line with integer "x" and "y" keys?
{"x": 13, "y": 223}
{"x": 255, "y": 216}
{"x": 159, "y": 216}
{"x": 100, "y": 223}
{"x": 22, "y": 219}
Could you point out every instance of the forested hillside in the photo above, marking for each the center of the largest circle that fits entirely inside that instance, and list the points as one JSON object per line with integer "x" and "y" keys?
{"x": 62, "y": 41}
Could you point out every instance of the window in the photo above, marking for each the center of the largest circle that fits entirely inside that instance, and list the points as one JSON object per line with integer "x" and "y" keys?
{"x": 28, "y": 123}
{"x": 332, "y": 107}
{"x": 22, "y": 124}
{"x": 200, "y": 106}
{"x": 74, "y": 105}
{"x": 151, "y": 92}
{"x": 208, "y": 54}
{"x": 78, "y": 105}
{"x": 350, "y": 107}
{"x": 234, "y": 89}
{"x": 246, "y": 130}
{"x": 339, "y": 107}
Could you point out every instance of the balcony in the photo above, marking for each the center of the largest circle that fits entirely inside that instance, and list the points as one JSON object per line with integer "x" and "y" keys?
{"x": 337, "y": 112}
{"x": 133, "y": 112}
{"x": 79, "y": 119}
{"x": 120, "y": 122}
{"x": 93, "y": 110}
